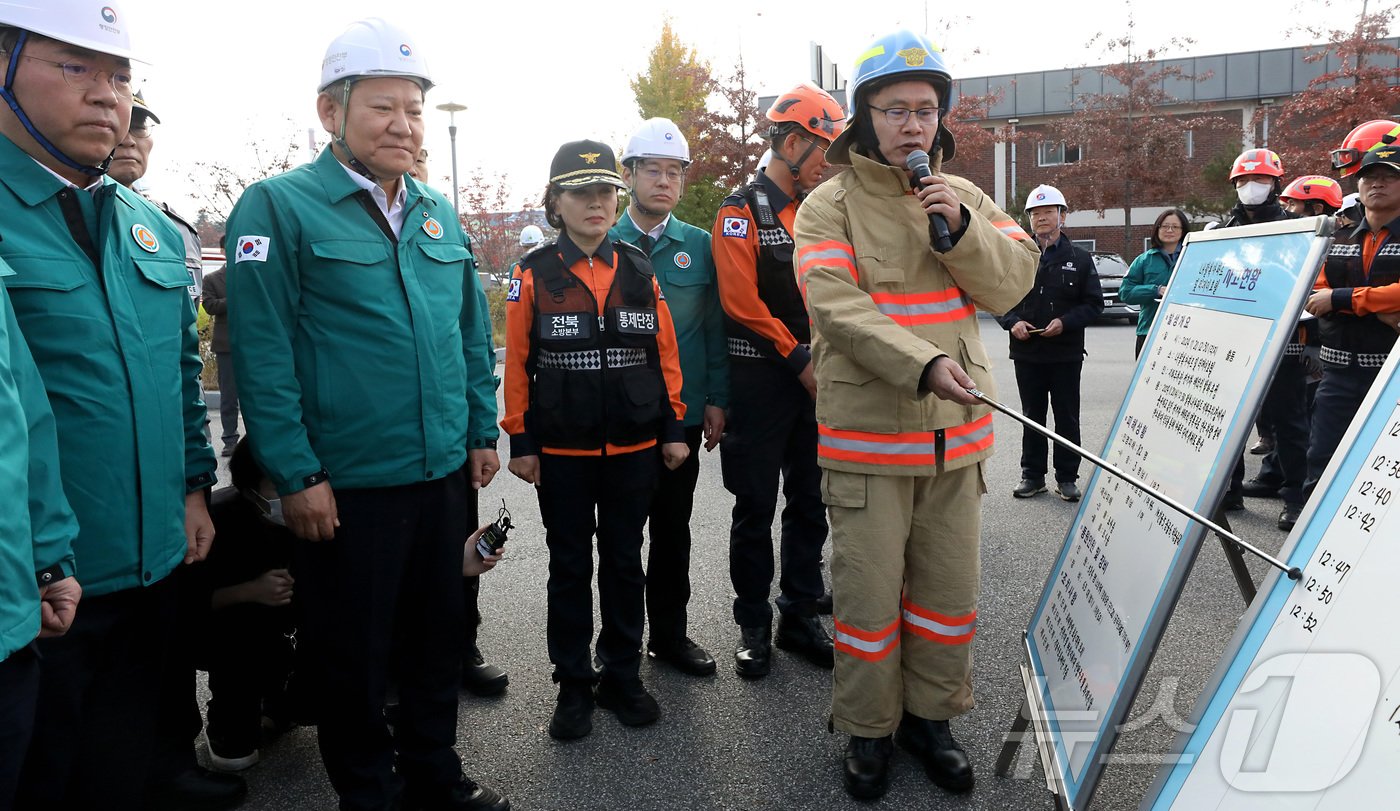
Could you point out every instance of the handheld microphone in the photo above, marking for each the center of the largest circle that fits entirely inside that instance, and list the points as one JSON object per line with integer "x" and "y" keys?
{"x": 917, "y": 162}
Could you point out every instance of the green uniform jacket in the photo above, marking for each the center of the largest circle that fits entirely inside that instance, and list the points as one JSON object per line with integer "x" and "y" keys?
{"x": 36, "y": 538}
{"x": 685, "y": 268}
{"x": 117, "y": 349}
{"x": 1149, "y": 271}
{"x": 354, "y": 353}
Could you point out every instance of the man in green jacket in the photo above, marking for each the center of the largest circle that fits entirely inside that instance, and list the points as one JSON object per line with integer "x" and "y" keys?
{"x": 37, "y": 529}
{"x": 653, "y": 166}
{"x": 366, "y": 384}
{"x": 99, "y": 291}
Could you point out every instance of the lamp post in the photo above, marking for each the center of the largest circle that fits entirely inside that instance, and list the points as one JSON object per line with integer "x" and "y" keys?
{"x": 452, "y": 108}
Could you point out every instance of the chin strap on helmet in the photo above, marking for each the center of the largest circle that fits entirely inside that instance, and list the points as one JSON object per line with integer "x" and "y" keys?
{"x": 636, "y": 198}
{"x": 7, "y": 93}
{"x": 795, "y": 167}
{"x": 339, "y": 140}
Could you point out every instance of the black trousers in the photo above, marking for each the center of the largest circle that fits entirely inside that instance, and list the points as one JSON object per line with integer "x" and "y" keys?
{"x": 388, "y": 586}
{"x": 178, "y": 721}
{"x": 668, "y": 556}
{"x": 228, "y": 397}
{"x": 609, "y": 495}
{"x": 1285, "y": 412}
{"x": 1339, "y": 397}
{"x": 248, "y": 653}
{"x": 771, "y": 430}
{"x": 19, "y": 690}
{"x": 95, "y": 726}
{"x": 1045, "y": 387}
{"x": 471, "y": 586}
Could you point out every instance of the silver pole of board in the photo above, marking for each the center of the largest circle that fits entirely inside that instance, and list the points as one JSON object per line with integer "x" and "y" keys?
{"x": 1293, "y": 572}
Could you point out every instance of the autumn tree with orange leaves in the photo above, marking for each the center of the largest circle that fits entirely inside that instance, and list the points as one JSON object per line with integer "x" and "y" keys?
{"x": 1306, "y": 127}
{"x": 1132, "y": 142}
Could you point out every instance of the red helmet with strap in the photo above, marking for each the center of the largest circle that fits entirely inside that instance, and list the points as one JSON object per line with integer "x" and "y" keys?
{"x": 1257, "y": 162}
{"x": 1367, "y": 145}
{"x": 1325, "y": 190}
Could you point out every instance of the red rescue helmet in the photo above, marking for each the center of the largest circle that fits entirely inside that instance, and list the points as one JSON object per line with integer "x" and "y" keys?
{"x": 1325, "y": 190}
{"x": 1257, "y": 162}
{"x": 1366, "y": 145}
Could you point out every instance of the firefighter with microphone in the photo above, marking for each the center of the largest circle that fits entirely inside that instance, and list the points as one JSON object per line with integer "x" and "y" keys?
{"x": 895, "y": 346}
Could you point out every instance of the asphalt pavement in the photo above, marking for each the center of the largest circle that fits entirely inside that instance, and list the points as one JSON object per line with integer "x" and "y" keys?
{"x": 728, "y": 743}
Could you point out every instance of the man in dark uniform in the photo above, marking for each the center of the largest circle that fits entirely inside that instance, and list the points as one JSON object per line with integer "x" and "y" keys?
{"x": 1258, "y": 178}
{"x": 1357, "y": 298}
{"x": 771, "y": 426}
{"x": 1047, "y": 343}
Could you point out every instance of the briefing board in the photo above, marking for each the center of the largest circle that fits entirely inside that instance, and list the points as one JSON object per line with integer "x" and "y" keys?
{"x": 1224, "y": 321}
{"x": 1304, "y": 709}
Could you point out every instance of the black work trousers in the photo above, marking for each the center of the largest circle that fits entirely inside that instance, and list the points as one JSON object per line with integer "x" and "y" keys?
{"x": 771, "y": 430}
{"x": 95, "y": 725}
{"x": 1339, "y": 397}
{"x": 248, "y": 652}
{"x": 471, "y": 586}
{"x": 1285, "y": 411}
{"x": 609, "y": 495}
{"x": 387, "y": 587}
{"x": 19, "y": 690}
{"x": 668, "y": 556}
{"x": 1046, "y": 387}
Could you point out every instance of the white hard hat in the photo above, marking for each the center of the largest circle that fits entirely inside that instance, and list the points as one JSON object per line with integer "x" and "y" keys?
{"x": 1044, "y": 195}
{"x": 657, "y": 138}
{"x": 373, "y": 47}
{"x": 98, "y": 25}
{"x": 531, "y": 235}
{"x": 765, "y": 160}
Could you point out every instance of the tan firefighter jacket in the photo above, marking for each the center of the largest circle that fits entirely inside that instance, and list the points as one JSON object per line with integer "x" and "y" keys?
{"x": 884, "y": 305}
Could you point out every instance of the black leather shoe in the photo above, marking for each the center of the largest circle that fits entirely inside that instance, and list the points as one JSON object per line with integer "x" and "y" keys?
{"x": 932, "y": 743}
{"x": 1289, "y": 516}
{"x": 1258, "y": 488}
{"x": 1233, "y": 503}
{"x": 1028, "y": 488}
{"x": 630, "y": 700}
{"x": 573, "y": 713}
{"x": 198, "y": 789}
{"x": 467, "y": 795}
{"x": 1069, "y": 491}
{"x": 755, "y": 652}
{"x": 482, "y": 679}
{"x": 824, "y": 605}
{"x": 866, "y": 771}
{"x": 684, "y": 655}
{"x": 806, "y": 636}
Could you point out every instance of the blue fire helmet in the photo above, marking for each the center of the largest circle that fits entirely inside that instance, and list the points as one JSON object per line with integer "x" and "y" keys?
{"x": 905, "y": 55}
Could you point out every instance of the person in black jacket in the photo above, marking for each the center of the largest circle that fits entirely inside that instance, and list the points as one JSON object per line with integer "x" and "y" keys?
{"x": 1047, "y": 343}
{"x": 1257, "y": 175}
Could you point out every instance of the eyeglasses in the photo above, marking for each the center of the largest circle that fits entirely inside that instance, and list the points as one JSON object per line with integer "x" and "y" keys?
{"x": 898, "y": 116}
{"x": 1166, "y": 226}
{"x": 141, "y": 131}
{"x": 80, "y": 76}
{"x": 654, "y": 174}
{"x": 818, "y": 145}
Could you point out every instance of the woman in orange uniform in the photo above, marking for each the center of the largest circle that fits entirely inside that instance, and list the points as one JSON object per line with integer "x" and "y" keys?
{"x": 593, "y": 384}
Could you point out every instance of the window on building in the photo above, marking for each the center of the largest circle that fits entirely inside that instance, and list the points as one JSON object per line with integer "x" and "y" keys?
{"x": 1056, "y": 153}
{"x": 1190, "y": 144}
{"x": 1086, "y": 244}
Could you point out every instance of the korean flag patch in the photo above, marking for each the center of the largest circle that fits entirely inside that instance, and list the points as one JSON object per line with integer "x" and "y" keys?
{"x": 737, "y": 227}
{"x": 250, "y": 249}
{"x": 514, "y": 293}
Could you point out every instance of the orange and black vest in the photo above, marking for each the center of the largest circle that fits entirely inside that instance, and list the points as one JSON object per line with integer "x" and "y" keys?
{"x": 595, "y": 379}
{"x": 777, "y": 281}
{"x": 1347, "y": 331}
